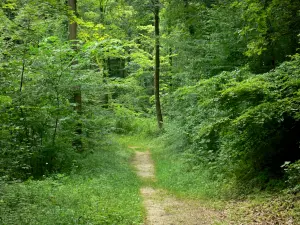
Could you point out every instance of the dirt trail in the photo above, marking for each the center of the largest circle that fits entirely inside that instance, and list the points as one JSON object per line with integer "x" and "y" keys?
{"x": 165, "y": 209}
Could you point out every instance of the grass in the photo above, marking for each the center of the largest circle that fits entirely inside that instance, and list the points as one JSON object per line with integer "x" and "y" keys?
{"x": 134, "y": 142}
{"x": 103, "y": 189}
{"x": 171, "y": 170}
{"x": 258, "y": 208}
{"x": 173, "y": 174}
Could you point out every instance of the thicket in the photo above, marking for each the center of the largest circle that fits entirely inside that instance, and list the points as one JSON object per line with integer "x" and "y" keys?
{"x": 240, "y": 126}
{"x": 40, "y": 70}
{"x": 232, "y": 99}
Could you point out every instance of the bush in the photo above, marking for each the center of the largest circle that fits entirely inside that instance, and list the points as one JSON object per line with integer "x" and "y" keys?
{"x": 239, "y": 125}
{"x": 292, "y": 171}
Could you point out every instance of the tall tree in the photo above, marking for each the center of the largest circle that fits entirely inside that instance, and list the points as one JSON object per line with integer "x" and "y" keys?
{"x": 77, "y": 89}
{"x": 157, "y": 63}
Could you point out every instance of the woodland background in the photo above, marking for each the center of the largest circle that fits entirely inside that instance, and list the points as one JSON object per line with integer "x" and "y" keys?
{"x": 229, "y": 93}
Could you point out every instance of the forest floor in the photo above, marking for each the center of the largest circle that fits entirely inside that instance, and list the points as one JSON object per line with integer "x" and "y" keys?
{"x": 163, "y": 208}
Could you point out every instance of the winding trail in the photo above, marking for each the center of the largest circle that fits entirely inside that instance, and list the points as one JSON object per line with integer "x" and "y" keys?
{"x": 165, "y": 209}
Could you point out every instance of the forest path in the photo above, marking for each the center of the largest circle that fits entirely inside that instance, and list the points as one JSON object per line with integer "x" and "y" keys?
{"x": 163, "y": 208}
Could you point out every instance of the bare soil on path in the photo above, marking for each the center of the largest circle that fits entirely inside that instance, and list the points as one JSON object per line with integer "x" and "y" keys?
{"x": 163, "y": 208}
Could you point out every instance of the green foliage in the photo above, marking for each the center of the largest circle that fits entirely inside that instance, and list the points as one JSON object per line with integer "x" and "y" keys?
{"x": 102, "y": 189}
{"x": 239, "y": 126}
{"x": 174, "y": 172}
{"x": 37, "y": 113}
{"x": 292, "y": 172}
{"x": 34, "y": 100}
{"x": 229, "y": 87}
{"x": 270, "y": 29}
{"x": 38, "y": 120}
{"x": 130, "y": 122}
{"x": 201, "y": 41}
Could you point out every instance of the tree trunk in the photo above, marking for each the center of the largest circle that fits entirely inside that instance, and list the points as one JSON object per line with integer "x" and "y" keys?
{"x": 72, "y": 25}
{"x": 77, "y": 143}
{"x": 157, "y": 64}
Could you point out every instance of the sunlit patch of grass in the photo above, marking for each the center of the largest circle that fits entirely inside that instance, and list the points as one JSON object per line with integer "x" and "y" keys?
{"x": 135, "y": 142}
{"x": 102, "y": 190}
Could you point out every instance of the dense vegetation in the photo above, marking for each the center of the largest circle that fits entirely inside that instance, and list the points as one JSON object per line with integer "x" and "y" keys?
{"x": 227, "y": 73}
{"x": 100, "y": 189}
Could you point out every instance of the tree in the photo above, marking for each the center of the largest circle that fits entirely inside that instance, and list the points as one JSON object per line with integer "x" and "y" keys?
{"x": 157, "y": 63}
{"x": 77, "y": 89}
{"x": 270, "y": 29}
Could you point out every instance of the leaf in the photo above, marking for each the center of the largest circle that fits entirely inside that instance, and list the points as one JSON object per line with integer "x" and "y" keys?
{"x": 5, "y": 100}
{"x": 10, "y": 6}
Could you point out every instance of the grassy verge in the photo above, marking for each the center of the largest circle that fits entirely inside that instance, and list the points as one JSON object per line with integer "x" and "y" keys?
{"x": 170, "y": 168}
{"x": 102, "y": 190}
{"x": 135, "y": 142}
{"x": 259, "y": 208}
{"x": 174, "y": 175}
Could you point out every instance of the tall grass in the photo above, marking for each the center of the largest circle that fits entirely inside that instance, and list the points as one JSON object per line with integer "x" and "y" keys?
{"x": 174, "y": 174}
{"x": 102, "y": 189}
{"x": 172, "y": 166}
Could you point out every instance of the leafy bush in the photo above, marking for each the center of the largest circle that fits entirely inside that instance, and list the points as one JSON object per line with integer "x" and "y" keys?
{"x": 38, "y": 122}
{"x": 292, "y": 171}
{"x": 238, "y": 125}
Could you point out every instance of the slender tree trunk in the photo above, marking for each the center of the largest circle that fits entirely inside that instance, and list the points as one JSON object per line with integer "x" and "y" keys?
{"x": 157, "y": 64}
{"x": 77, "y": 89}
{"x": 23, "y": 116}
{"x": 22, "y": 73}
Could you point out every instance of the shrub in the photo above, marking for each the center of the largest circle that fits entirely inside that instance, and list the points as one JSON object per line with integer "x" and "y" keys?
{"x": 241, "y": 125}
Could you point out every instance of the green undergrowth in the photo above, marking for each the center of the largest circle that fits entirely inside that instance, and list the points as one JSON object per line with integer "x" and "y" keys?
{"x": 135, "y": 142}
{"x": 174, "y": 175}
{"x": 171, "y": 168}
{"x": 102, "y": 189}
